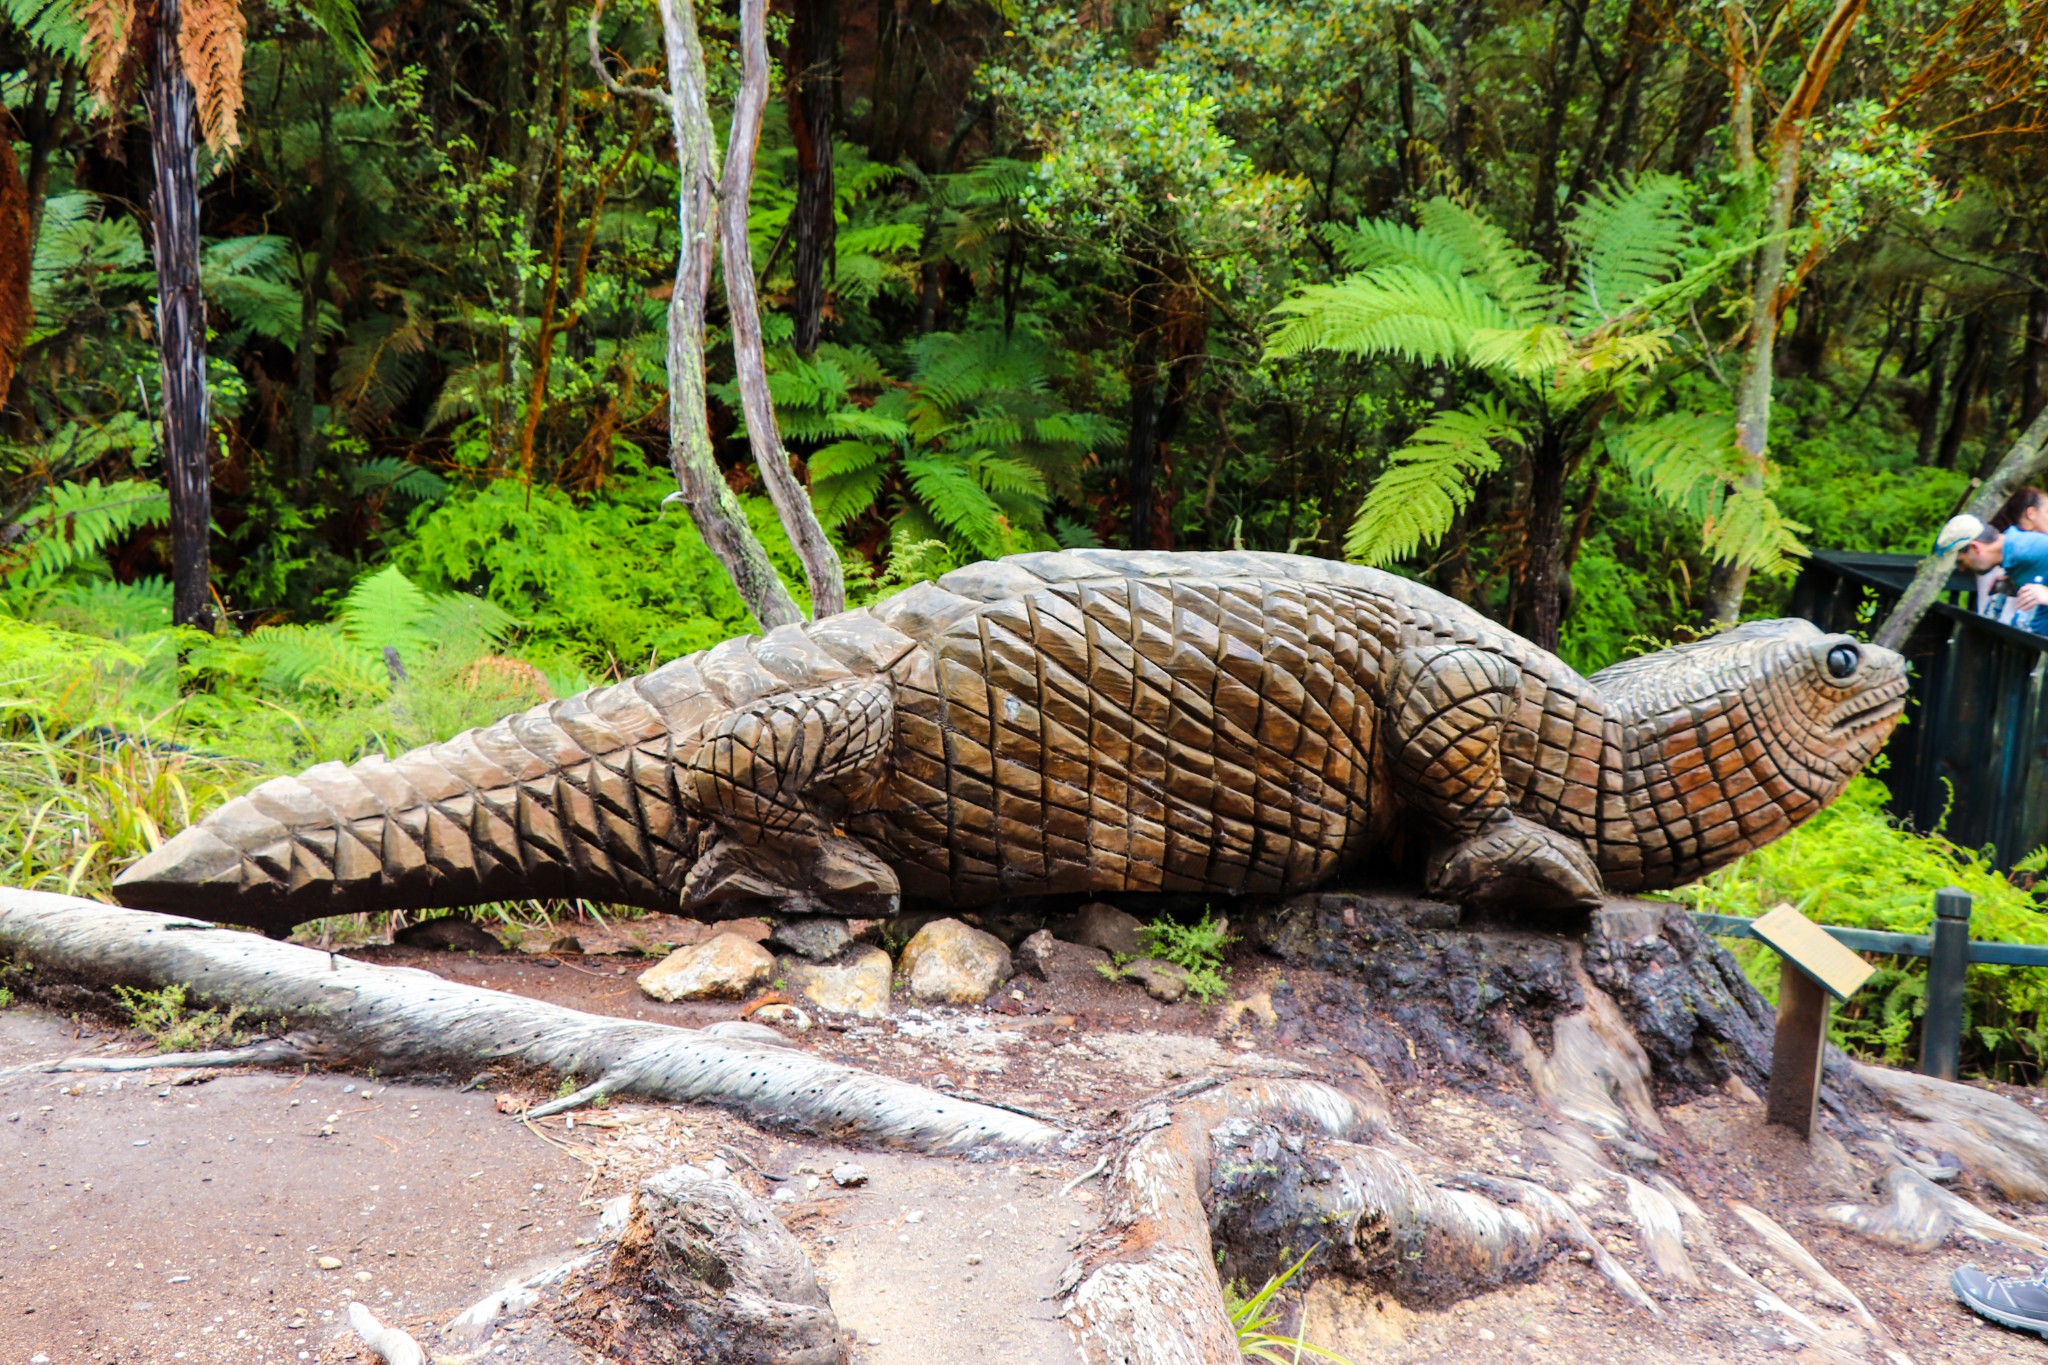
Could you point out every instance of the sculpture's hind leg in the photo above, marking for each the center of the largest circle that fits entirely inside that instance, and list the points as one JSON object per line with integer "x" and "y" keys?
{"x": 772, "y": 776}
{"x": 1451, "y": 705}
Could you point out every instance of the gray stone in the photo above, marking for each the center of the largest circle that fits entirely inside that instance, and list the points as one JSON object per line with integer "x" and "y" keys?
{"x": 858, "y": 985}
{"x": 724, "y": 966}
{"x": 817, "y": 939}
{"x": 846, "y": 1175}
{"x": 1105, "y": 927}
{"x": 954, "y": 963}
{"x": 1035, "y": 955}
{"x": 1162, "y": 981}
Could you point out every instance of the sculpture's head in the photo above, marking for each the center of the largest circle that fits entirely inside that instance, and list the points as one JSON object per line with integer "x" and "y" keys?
{"x": 1733, "y": 740}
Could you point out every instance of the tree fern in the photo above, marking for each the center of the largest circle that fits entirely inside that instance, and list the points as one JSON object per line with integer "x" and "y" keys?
{"x": 55, "y": 26}
{"x": 1689, "y": 461}
{"x": 400, "y": 478}
{"x": 1750, "y": 529}
{"x": 1378, "y": 242}
{"x": 1429, "y": 481}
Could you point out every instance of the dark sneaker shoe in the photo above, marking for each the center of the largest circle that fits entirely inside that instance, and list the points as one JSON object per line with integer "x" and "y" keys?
{"x": 2007, "y": 1301}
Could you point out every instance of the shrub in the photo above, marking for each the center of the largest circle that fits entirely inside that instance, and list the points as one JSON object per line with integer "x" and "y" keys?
{"x": 1854, "y": 865}
{"x": 1196, "y": 949}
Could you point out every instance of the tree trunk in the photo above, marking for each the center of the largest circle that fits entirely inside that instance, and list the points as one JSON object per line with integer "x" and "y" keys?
{"x": 2025, "y": 460}
{"x": 1141, "y": 443}
{"x": 2032, "y": 354}
{"x": 813, "y": 74}
{"x": 181, "y": 323}
{"x": 1963, "y": 391}
{"x": 1539, "y": 598}
{"x": 306, "y": 358}
{"x": 713, "y": 505}
{"x": 1730, "y": 581}
{"x": 17, "y": 248}
{"x": 792, "y": 503}
{"x": 1769, "y": 292}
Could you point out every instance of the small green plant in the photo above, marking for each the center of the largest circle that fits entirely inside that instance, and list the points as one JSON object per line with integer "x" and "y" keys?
{"x": 1196, "y": 949}
{"x": 175, "y": 1027}
{"x": 1253, "y": 1318}
{"x": 6, "y": 997}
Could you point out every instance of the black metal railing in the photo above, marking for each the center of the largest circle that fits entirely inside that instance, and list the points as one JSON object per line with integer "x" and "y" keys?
{"x": 1971, "y": 756}
{"x": 1950, "y": 952}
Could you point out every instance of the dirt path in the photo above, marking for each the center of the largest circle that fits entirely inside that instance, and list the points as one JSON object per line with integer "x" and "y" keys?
{"x": 155, "y": 1222}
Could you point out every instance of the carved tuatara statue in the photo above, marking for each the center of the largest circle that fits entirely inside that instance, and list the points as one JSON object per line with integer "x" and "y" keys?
{"x": 1083, "y": 721}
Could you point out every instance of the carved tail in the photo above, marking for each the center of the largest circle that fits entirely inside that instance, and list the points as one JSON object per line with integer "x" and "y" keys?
{"x": 586, "y": 797}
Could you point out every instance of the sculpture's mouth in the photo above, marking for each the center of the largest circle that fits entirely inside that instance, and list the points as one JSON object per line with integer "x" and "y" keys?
{"x": 1879, "y": 706}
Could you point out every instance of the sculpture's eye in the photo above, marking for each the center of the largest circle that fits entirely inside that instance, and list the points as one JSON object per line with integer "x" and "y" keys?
{"x": 1843, "y": 661}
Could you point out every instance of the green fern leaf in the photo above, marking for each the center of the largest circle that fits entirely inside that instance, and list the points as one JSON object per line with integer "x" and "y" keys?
{"x": 1629, "y": 237}
{"x": 78, "y": 521}
{"x": 1374, "y": 243}
{"x": 1686, "y": 460}
{"x": 1429, "y": 481}
{"x": 1398, "y": 311}
{"x": 1510, "y": 275}
{"x": 1751, "y": 529}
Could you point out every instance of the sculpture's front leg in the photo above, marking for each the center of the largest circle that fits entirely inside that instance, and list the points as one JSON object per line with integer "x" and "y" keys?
{"x": 772, "y": 776}
{"x": 1450, "y": 705}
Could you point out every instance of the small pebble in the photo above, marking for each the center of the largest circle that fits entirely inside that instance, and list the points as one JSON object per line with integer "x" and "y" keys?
{"x": 974, "y": 1259}
{"x": 846, "y": 1175}
{"x": 363, "y": 1275}
{"x": 329, "y": 1263}
{"x": 914, "y": 1216}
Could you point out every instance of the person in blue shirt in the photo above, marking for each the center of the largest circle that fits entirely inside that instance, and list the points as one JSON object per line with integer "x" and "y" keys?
{"x": 2022, "y": 554}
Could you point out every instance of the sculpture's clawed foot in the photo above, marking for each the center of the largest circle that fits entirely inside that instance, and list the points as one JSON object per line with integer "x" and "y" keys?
{"x": 828, "y": 875}
{"x": 1515, "y": 864}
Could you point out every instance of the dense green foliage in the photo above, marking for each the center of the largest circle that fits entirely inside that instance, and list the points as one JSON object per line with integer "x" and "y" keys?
{"x": 1852, "y": 865}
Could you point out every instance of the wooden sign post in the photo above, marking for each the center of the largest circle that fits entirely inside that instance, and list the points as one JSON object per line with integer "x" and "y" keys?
{"x": 1816, "y": 968}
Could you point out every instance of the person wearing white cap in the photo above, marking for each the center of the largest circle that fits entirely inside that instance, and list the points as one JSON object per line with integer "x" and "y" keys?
{"x": 2023, "y": 555}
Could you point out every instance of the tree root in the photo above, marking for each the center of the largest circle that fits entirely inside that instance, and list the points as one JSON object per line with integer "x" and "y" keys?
{"x": 404, "y": 1020}
{"x": 1921, "y": 1215}
{"x": 390, "y": 1344}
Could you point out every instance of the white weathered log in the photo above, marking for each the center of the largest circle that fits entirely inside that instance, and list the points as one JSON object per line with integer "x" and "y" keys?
{"x": 400, "y": 1020}
{"x": 1921, "y": 1215}
{"x": 268, "y": 1052}
{"x": 1995, "y": 1139}
{"x": 391, "y": 1344}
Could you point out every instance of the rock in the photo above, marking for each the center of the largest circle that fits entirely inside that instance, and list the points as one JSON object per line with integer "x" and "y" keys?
{"x": 858, "y": 985}
{"x": 898, "y": 930}
{"x": 448, "y": 934}
{"x": 1162, "y": 981}
{"x": 784, "y": 1016}
{"x": 724, "y": 967}
{"x": 566, "y": 943}
{"x": 329, "y": 1263}
{"x": 820, "y": 939}
{"x": 846, "y": 1175}
{"x": 1035, "y": 954}
{"x": 954, "y": 963}
{"x": 1105, "y": 927}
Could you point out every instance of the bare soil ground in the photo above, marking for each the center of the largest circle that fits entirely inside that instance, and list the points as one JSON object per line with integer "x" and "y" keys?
{"x": 206, "y": 1241}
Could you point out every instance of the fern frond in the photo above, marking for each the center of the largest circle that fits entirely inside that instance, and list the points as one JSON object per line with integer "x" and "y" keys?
{"x": 1376, "y": 242}
{"x": 1429, "y": 481}
{"x": 211, "y": 37}
{"x": 1686, "y": 460}
{"x": 1629, "y": 236}
{"x": 391, "y": 474}
{"x": 306, "y": 657}
{"x": 845, "y": 478}
{"x": 1511, "y": 275}
{"x": 57, "y": 27}
{"x": 1398, "y": 311}
{"x": 956, "y": 500}
{"x": 1751, "y": 529}
{"x": 77, "y": 521}
{"x": 1531, "y": 354}
{"x": 113, "y": 47}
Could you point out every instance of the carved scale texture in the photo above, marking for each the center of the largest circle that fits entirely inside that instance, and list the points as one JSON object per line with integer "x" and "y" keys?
{"x": 1070, "y": 722}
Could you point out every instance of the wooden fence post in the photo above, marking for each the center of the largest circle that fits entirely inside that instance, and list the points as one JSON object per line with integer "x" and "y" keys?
{"x": 1941, "y": 1039}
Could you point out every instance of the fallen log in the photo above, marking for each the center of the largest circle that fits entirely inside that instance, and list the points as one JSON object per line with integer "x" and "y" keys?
{"x": 402, "y": 1020}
